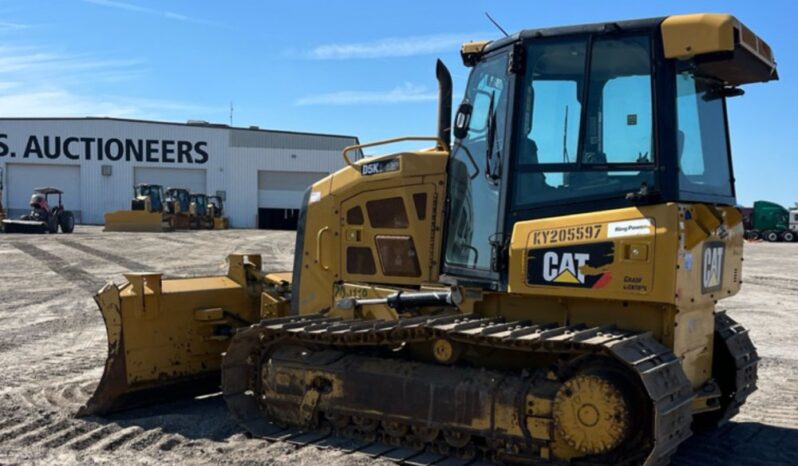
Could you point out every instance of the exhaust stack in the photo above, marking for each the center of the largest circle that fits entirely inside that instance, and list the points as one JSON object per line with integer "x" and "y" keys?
{"x": 444, "y": 102}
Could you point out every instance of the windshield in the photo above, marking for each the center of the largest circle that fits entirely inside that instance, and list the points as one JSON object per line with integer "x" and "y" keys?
{"x": 151, "y": 191}
{"x": 585, "y": 137}
{"x": 701, "y": 138}
{"x": 473, "y": 190}
{"x": 201, "y": 204}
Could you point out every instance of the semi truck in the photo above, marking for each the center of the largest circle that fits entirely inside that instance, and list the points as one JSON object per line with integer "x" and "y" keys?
{"x": 771, "y": 222}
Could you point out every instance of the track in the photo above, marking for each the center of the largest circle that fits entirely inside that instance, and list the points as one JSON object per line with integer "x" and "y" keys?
{"x": 657, "y": 369}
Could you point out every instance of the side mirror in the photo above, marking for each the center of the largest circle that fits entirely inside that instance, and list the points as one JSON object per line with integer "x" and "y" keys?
{"x": 462, "y": 120}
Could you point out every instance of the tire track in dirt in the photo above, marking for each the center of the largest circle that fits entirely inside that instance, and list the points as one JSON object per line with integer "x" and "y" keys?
{"x": 127, "y": 264}
{"x": 70, "y": 273}
{"x": 779, "y": 283}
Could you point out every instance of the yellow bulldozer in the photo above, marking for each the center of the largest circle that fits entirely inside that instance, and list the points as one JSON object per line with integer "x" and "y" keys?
{"x": 216, "y": 211}
{"x": 178, "y": 205}
{"x": 201, "y": 214}
{"x": 147, "y": 212}
{"x": 542, "y": 289}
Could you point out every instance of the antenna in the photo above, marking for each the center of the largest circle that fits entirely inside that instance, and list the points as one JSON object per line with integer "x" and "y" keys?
{"x": 497, "y": 25}
{"x": 231, "y": 113}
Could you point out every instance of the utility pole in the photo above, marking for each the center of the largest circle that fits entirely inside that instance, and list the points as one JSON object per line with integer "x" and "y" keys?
{"x": 231, "y": 113}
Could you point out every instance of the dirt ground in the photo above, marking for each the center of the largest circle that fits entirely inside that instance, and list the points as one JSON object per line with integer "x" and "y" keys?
{"x": 52, "y": 349}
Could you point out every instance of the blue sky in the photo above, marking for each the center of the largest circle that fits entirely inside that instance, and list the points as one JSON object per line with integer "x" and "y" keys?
{"x": 364, "y": 68}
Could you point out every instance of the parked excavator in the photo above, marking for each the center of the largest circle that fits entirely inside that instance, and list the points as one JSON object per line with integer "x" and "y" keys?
{"x": 542, "y": 289}
{"x": 178, "y": 205}
{"x": 216, "y": 211}
{"x": 146, "y": 212}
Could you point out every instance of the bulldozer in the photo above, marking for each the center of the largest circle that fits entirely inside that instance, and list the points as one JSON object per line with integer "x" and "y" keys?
{"x": 216, "y": 211}
{"x": 543, "y": 288}
{"x": 201, "y": 216}
{"x": 147, "y": 212}
{"x": 178, "y": 205}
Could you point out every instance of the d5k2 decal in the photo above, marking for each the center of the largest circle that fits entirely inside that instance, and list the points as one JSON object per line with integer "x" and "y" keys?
{"x": 575, "y": 266}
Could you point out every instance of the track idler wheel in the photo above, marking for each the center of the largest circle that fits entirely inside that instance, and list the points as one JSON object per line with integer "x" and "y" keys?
{"x": 425, "y": 434}
{"x": 365, "y": 424}
{"x": 592, "y": 414}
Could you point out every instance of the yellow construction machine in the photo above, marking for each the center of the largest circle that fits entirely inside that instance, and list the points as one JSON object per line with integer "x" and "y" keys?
{"x": 201, "y": 215}
{"x": 542, "y": 289}
{"x": 216, "y": 211}
{"x": 147, "y": 212}
{"x": 178, "y": 205}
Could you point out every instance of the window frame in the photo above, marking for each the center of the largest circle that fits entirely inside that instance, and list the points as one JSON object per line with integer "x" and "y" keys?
{"x": 683, "y": 195}
{"x": 578, "y": 165}
{"x": 482, "y": 278}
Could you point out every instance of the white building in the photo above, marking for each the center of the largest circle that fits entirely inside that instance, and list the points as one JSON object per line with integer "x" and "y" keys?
{"x": 261, "y": 174}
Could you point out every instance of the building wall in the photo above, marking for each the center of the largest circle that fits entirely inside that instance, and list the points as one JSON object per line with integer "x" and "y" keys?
{"x": 230, "y": 157}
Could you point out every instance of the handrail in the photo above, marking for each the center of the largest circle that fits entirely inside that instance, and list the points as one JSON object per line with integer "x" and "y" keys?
{"x": 318, "y": 247}
{"x": 348, "y": 149}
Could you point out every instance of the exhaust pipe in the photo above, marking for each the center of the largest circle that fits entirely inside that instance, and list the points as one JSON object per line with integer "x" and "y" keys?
{"x": 444, "y": 102}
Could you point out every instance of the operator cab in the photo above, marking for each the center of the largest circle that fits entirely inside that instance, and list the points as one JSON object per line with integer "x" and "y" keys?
{"x": 604, "y": 116}
{"x": 200, "y": 202}
{"x": 152, "y": 191}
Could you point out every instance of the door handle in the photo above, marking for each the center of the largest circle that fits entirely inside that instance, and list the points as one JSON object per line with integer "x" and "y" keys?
{"x": 319, "y": 234}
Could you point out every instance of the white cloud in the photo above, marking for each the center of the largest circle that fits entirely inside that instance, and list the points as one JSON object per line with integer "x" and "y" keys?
{"x": 402, "y": 94}
{"x": 149, "y": 11}
{"x": 36, "y": 82}
{"x": 7, "y": 25}
{"x": 393, "y": 47}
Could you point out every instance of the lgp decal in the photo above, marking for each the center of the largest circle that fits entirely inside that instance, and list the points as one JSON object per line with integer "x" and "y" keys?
{"x": 712, "y": 266}
{"x": 575, "y": 266}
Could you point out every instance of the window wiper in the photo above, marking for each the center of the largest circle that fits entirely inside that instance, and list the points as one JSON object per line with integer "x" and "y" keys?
{"x": 490, "y": 139}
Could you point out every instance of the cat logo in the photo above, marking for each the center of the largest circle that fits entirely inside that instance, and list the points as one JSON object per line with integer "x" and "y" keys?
{"x": 573, "y": 266}
{"x": 564, "y": 268}
{"x": 712, "y": 266}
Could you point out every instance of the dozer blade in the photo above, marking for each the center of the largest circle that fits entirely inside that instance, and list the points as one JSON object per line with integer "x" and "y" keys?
{"x": 166, "y": 336}
{"x": 24, "y": 226}
{"x": 136, "y": 220}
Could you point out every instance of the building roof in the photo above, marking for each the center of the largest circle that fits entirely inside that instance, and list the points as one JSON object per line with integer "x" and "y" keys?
{"x": 190, "y": 123}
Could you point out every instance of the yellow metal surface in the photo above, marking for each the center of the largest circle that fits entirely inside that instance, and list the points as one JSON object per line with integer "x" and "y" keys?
{"x": 685, "y": 36}
{"x": 326, "y": 240}
{"x": 163, "y": 332}
{"x": 669, "y": 263}
{"x": 475, "y": 46}
{"x": 591, "y": 414}
{"x": 137, "y": 221}
{"x": 221, "y": 223}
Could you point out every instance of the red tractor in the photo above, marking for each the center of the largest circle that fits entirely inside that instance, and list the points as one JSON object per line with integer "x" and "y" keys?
{"x": 42, "y": 218}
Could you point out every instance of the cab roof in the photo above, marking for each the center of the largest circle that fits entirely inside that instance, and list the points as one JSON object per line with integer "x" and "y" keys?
{"x": 48, "y": 190}
{"x": 718, "y": 43}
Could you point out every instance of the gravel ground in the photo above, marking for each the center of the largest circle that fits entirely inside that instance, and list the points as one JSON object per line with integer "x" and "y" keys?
{"x": 52, "y": 349}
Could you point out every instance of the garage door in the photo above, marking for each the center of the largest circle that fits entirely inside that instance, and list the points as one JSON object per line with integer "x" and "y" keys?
{"x": 284, "y": 190}
{"x": 23, "y": 178}
{"x": 192, "y": 179}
